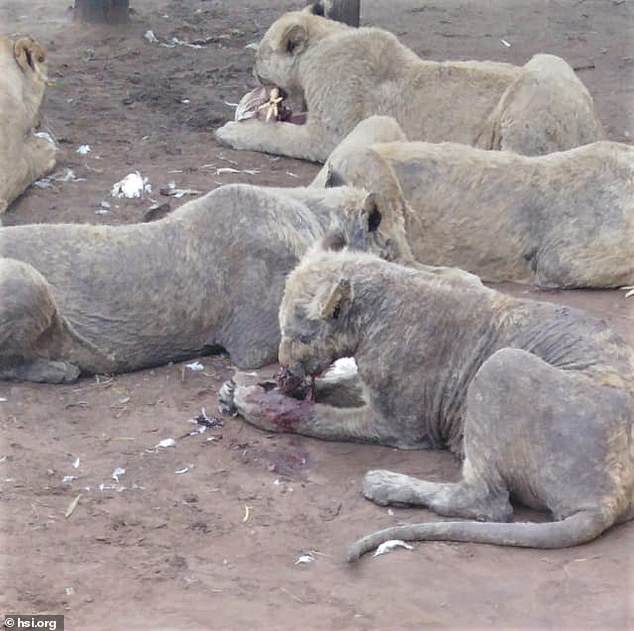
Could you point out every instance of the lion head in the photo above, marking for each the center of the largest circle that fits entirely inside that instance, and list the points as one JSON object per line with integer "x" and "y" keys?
{"x": 317, "y": 314}
{"x": 287, "y": 40}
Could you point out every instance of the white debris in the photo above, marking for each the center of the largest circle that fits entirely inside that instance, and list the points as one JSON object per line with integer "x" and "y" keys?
{"x": 111, "y": 487}
{"x": 76, "y": 463}
{"x": 629, "y": 291}
{"x": 69, "y": 591}
{"x": 3, "y": 400}
{"x": 165, "y": 443}
{"x": 390, "y": 545}
{"x": 291, "y": 174}
{"x": 505, "y": 43}
{"x": 252, "y": 46}
{"x": 305, "y": 559}
{"x": 83, "y": 150}
{"x": 68, "y": 478}
{"x": 67, "y": 176}
{"x": 118, "y": 473}
{"x": 222, "y": 170}
{"x": 343, "y": 368}
{"x": 185, "y": 101}
{"x": 175, "y": 41}
{"x": 195, "y": 366}
{"x": 104, "y": 208}
{"x": 150, "y": 37}
{"x": 183, "y": 470}
{"x": 132, "y": 185}
{"x": 172, "y": 191}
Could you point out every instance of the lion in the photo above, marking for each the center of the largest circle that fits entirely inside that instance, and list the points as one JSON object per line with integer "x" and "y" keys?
{"x": 24, "y": 156}
{"x": 85, "y": 299}
{"x": 343, "y": 75}
{"x": 539, "y": 398}
{"x": 564, "y": 220}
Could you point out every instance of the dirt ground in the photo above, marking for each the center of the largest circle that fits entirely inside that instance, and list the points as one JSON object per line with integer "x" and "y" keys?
{"x": 206, "y": 535}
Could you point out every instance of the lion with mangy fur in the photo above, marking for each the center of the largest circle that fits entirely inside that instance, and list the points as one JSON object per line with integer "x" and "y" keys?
{"x": 539, "y": 398}
{"x": 342, "y": 75}
{"x": 564, "y": 220}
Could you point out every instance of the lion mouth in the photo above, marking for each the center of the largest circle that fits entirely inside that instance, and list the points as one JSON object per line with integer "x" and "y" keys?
{"x": 269, "y": 104}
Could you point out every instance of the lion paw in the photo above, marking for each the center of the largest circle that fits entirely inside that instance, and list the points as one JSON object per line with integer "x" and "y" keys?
{"x": 229, "y": 134}
{"x": 379, "y": 486}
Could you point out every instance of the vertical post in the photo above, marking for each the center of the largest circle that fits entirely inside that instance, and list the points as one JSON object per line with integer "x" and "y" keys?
{"x": 102, "y": 11}
{"x": 347, "y": 11}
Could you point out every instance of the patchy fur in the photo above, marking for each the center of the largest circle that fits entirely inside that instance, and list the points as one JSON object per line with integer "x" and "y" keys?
{"x": 561, "y": 220}
{"x": 538, "y": 397}
{"x": 24, "y": 157}
{"x": 100, "y": 299}
{"x": 344, "y": 74}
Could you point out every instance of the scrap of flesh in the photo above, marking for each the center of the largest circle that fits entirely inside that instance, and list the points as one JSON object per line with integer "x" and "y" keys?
{"x": 264, "y": 103}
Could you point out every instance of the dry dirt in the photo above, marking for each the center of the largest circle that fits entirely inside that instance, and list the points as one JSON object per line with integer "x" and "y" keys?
{"x": 167, "y": 550}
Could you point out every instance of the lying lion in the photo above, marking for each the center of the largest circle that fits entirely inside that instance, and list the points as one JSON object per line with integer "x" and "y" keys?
{"x": 81, "y": 299}
{"x": 343, "y": 75}
{"x": 24, "y": 157}
{"x": 538, "y": 397}
{"x": 561, "y": 220}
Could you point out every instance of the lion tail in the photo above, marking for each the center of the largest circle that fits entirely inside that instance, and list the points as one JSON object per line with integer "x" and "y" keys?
{"x": 576, "y": 529}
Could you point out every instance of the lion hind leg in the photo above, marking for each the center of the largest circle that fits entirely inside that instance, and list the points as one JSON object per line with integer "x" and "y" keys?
{"x": 463, "y": 499}
{"x": 30, "y": 327}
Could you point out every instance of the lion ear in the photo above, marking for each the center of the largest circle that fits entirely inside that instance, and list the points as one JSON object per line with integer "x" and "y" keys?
{"x": 316, "y": 8}
{"x": 339, "y": 296}
{"x": 294, "y": 39}
{"x": 372, "y": 213}
{"x": 28, "y": 53}
{"x": 333, "y": 178}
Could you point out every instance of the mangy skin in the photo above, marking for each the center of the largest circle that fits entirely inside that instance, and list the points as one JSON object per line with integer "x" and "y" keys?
{"x": 23, "y": 157}
{"x": 562, "y": 220}
{"x": 344, "y": 74}
{"x": 100, "y": 299}
{"x": 538, "y": 397}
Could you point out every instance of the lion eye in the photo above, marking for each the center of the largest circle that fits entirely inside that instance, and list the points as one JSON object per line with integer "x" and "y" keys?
{"x": 336, "y": 312}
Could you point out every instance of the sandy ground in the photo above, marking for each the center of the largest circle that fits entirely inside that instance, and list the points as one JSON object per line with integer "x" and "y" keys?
{"x": 214, "y": 546}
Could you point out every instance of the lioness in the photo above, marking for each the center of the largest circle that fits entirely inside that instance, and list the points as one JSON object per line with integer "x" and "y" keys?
{"x": 539, "y": 397}
{"x": 24, "y": 157}
{"x": 344, "y": 74}
{"x": 98, "y": 299}
{"x": 561, "y": 220}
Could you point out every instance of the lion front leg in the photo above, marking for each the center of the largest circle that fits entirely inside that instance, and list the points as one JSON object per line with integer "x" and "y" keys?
{"x": 306, "y": 142}
{"x": 275, "y": 412}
